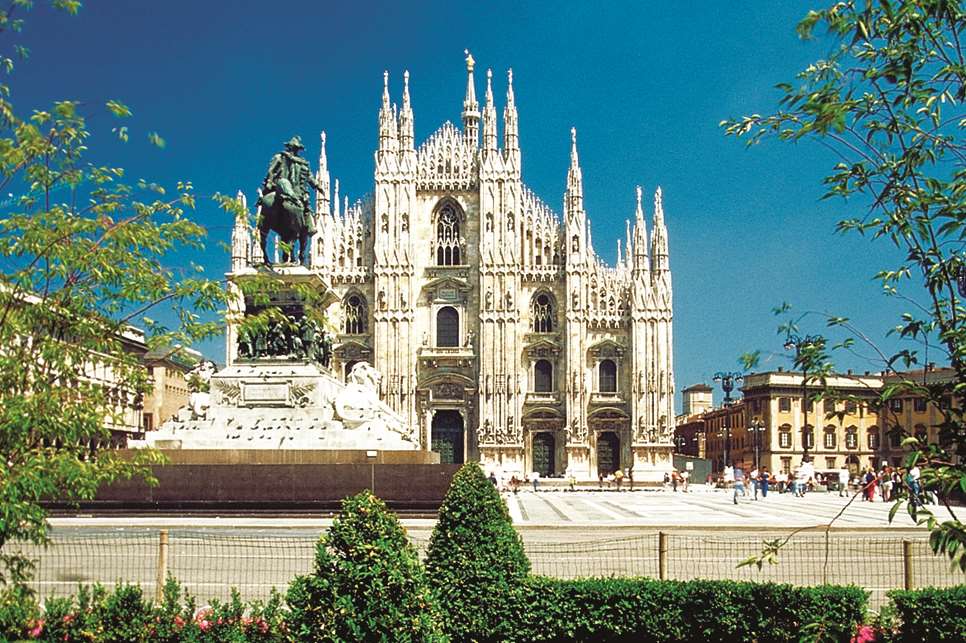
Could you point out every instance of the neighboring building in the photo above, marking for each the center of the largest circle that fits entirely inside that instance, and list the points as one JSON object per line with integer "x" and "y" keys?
{"x": 495, "y": 325}
{"x": 127, "y": 404}
{"x": 696, "y": 399}
{"x": 168, "y": 374}
{"x": 912, "y": 415}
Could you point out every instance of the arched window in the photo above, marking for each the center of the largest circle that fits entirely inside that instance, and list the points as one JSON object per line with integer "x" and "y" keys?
{"x": 448, "y": 327}
{"x": 851, "y": 438}
{"x": 896, "y": 434}
{"x": 808, "y": 437}
{"x": 830, "y": 438}
{"x": 543, "y": 376}
{"x": 355, "y": 315}
{"x": 873, "y": 436}
{"x": 785, "y": 436}
{"x": 541, "y": 312}
{"x": 449, "y": 250}
{"x": 608, "y": 376}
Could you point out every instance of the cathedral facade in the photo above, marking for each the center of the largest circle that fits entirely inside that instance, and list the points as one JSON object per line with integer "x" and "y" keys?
{"x": 497, "y": 329}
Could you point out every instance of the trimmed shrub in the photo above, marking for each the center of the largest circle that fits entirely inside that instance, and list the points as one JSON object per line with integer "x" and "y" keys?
{"x": 368, "y": 584}
{"x": 476, "y": 563}
{"x": 931, "y": 614}
{"x": 637, "y": 609}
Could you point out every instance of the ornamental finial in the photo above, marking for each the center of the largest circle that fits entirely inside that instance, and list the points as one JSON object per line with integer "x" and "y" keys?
{"x": 469, "y": 60}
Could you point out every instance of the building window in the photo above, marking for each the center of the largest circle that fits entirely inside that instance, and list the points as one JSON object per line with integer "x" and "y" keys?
{"x": 756, "y": 406}
{"x": 354, "y": 314}
{"x": 829, "y": 406}
{"x": 830, "y": 437}
{"x": 850, "y": 407}
{"x": 895, "y": 404}
{"x": 786, "y": 465}
{"x": 873, "y": 436}
{"x": 829, "y": 463}
{"x": 147, "y": 422}
{"x": 608, "y": 376}
{"x": 919, "y": 404}
{"x": 851, "y": 438}
{"x": 543, "y": 376}
{"x": 784, "y": 404}
{"x": 449, "y": 249}
{"x": 808, "y": 438}
{"x": 447, "y": 327}
{"x": 542, "y": 314}
{"x": 785, "y": 436}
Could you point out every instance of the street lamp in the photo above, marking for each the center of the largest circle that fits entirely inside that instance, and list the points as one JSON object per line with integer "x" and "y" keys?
{"x": 802, "y": 345}
{"x": 757, "y": 428}
{"x": 727, "y": 380}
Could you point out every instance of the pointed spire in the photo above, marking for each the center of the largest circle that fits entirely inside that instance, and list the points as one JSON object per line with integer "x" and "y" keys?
{"x": 489, "y": 115}
{"x": 659, "y": 249}
{"x": 322, "y": 201}
{"x": 387, "y": 119}
{"x": 471, "y": 109}
{"x": 241, "y": 235}
{"x": 335, "y": 199}
{"x": 628, "y": 248}
{"x": 406, "y": 118}
{"x": 620, "y": 257}
{"x": 511, "y": 142}
{"x": 575, "y": 181}
{"x": 640, "y": 235}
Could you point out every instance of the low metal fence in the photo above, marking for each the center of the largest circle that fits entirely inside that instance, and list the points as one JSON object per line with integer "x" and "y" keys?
{"x": 210, "y": 564}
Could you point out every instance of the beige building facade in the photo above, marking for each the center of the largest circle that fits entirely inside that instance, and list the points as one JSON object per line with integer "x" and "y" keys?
{"x": 497, "y": 328}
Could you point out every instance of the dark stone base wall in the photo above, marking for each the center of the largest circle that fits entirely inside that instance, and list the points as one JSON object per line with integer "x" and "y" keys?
{"x": 275, "y": 487}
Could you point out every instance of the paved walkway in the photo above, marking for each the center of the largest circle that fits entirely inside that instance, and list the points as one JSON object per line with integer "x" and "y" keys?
{"x": 699, "y": 508}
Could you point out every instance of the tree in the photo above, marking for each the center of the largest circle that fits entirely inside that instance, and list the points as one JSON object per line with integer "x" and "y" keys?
{"x": 476, "y": 562}
{"x": 888, "y": 102}
{"x": 368, "y": 583}
{"x": 83, "y": 254}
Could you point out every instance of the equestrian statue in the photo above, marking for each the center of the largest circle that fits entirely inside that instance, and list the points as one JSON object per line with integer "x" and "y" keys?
{"x": 284, "y": 202}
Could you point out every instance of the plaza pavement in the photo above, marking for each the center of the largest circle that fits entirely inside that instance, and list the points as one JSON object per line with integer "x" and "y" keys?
{"x": 697, "y": 508}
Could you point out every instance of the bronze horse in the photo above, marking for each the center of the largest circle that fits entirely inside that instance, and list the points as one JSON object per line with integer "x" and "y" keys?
{"x": 283, "y": 215}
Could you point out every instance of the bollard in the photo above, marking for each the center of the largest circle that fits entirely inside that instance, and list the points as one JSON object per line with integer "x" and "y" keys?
{"x": 162, "y": 574}
{"x": 662, "y": 555}
{"x": 907, "y": 564}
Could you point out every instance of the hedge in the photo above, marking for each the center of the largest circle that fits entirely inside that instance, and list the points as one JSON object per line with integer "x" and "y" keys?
{"x": 931, "y": 614}
{"x": 638, "y": 609}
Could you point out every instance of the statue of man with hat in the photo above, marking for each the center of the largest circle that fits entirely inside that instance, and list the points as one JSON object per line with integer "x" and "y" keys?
{"x": 289, "y": 177}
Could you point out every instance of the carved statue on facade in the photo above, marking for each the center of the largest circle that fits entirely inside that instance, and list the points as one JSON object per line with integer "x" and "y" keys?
{"x": 283, "y": 337}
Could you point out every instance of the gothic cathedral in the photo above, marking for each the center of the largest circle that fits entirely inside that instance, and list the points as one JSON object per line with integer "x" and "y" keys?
{"x": 497, "y": 329}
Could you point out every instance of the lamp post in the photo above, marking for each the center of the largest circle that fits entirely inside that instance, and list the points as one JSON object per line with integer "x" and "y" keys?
{"x": 756, "y": 429}
{"x": 802, "y": 345}
{"x": 727, "y": 380}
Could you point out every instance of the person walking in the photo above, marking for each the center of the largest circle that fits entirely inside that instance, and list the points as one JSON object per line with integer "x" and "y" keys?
{"x": 869, "y": 488}
{"x": 685, "y": 477}
{"x": 754, "y": 482}
{"x": 739, "y": 483}
{"x": 843, "y": 482}
{"x": 885, "y": 484}
{"x": 763, "y": 483}
{"x": 535, "y": 477}
{"x": 630, "y": 478}
{"x": 618, "y": 478}
{"x": 675, "y": 476}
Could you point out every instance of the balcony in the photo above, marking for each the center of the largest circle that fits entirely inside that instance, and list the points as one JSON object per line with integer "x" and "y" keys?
{"x": 542, "y": 398}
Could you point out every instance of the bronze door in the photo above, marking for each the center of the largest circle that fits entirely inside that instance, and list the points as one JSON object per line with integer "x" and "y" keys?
{"x": 447, "y": 437}
{"x": 608, "y": 453}
{"x": 543, "y": 454}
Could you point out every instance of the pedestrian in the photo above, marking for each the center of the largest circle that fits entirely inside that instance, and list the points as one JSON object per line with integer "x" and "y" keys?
{"x": 571, "y": 478}
{"x": 885, "y": 484}
{"x": 667, "y": 480}
{"x": 600, "y": 481}
{"x": 514, "y": 483}
{"x": 535, "y": 477}
{"x": 739, "y": 483}
{"x": 915, "y": 489}
{"x": 763, "y": 483}
{"x": 675, "y": 476}
{"x": 618, "y": 478}
{"x": 843, "y": 482}
{"x": 493, "y": 479}
{"x": 685, "y": 478}
{"x": 630, "y": 477}
{"x": 754, "y": 482}
{"x": 868, "y": 485}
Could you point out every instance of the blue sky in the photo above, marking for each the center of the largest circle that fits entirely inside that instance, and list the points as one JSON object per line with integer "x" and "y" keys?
{"x": 644, "y": 83}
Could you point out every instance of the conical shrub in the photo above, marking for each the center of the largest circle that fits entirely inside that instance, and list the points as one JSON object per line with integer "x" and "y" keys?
{"x": 368, "y": 583}
{"x": 476, "y": 562}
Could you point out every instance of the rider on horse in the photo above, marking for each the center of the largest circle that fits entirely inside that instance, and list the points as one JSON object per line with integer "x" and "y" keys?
{"x": 289, "y": 177}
